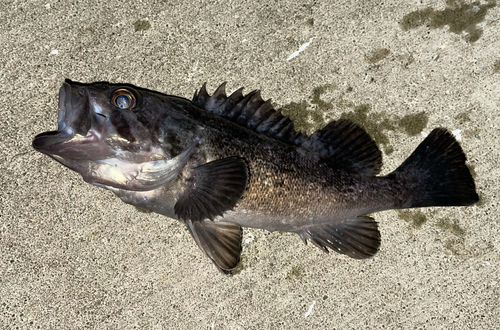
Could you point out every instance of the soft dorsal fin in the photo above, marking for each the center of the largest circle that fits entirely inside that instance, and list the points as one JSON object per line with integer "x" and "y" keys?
{"x": 345, "y": 144}
{"x": 342, "y": 143}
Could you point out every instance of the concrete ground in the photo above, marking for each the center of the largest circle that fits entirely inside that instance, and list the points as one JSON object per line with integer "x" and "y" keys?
{"x": 73, "y": 256}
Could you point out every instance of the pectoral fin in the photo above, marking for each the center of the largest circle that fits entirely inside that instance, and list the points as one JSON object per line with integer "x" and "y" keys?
{"x": 220, "y": 240}
{"x": 213, "y": 189}
{"x": 357, "y": 238}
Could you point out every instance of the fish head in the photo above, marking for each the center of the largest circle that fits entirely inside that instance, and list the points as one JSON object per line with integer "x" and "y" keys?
{"x": 106, "y": 132}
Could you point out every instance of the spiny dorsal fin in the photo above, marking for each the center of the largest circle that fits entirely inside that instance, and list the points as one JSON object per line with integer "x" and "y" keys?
{"x": 249, "y": 111}
{"x": 342, "y": 143}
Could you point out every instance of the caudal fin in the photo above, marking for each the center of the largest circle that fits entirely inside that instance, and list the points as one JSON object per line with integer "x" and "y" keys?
{"x": 436, "y": 174}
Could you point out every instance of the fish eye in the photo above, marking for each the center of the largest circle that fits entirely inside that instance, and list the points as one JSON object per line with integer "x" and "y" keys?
{"x": 123, "y": 98}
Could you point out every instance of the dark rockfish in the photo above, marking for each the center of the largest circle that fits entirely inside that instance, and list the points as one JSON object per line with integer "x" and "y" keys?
{"x": 219, "y": 163}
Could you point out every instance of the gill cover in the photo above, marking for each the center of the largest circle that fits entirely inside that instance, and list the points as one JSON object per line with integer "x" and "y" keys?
{"x": 144, "y": 176}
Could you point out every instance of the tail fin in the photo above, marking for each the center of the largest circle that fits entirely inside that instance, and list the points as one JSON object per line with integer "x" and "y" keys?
{"x": 436, "y": 174}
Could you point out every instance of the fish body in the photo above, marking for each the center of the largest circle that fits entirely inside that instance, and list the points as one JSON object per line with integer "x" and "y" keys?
{"x": 219, "y": 163}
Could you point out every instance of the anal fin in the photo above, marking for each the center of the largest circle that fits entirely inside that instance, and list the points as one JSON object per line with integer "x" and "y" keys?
{"x": 220, "y": 240}
{"x": 357, "y": 238}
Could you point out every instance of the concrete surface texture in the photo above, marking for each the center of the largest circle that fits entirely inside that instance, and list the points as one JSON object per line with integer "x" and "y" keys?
{"x": 73, "y": 256}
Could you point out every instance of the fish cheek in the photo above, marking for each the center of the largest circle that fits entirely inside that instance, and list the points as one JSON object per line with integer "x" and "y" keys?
{"x": 172, "y": 143}
{"x": 80, "y": 122}
{"x": 122, "y": 126}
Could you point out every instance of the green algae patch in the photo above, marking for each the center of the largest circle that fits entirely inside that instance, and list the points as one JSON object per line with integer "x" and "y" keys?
{"x": 459, "y": 16}
{"x": 414, "y": 124}
{"x": 378, "y": 55}
{"x": 416, "y": 218}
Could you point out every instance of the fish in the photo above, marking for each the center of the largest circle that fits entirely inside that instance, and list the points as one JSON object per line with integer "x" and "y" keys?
{"x": 219, "y": 163}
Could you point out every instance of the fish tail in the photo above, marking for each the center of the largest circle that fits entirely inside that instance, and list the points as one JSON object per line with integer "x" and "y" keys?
{"x": 435, "y": 174}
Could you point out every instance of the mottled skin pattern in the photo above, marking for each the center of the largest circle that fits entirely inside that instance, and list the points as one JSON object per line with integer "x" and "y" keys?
{"x": 288, "y": 187}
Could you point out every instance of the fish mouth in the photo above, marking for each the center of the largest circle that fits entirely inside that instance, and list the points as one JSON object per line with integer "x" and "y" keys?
{"x": 71, "y": 120}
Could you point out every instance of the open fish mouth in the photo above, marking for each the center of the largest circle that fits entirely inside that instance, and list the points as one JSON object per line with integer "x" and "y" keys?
{"x": 71, "y": 120}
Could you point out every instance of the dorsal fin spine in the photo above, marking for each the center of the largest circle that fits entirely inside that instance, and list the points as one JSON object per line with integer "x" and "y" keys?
{"x": 341, "y": 143}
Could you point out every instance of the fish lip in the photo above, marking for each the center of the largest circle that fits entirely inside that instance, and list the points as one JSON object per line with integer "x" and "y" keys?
{"x": 64, "y": 103}
{"x": 46, "y": 142}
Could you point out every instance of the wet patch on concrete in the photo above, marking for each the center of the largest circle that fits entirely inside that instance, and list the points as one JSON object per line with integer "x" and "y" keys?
{"x": 89, "y": 31}
{"x": 457, "y": 247}
{"x": 453, "y": 237}
{"x": 314, "y": 113}
{"x": 140, "y": 209}
{"x": 376, "y": 124}
{"x": 295, "y": 273}
{"x": 414, "y": 124}
{"x": 301, "y": 115}
{"x": 483, "y": 200}
{"x": 405, "y": 60}
{"x": 309, "y": 21}
{"x": 142, "y": 26}
{"x": 377, "y": 55}
{"x": 473, "y": 133}
{"x": 496, "y": 66}
{"x": 308, "y": 115}
{"x": 459, "y": 16}
{"x": 451, "y": 226}
{"x": 416, "y": 218}
{"x": 462, "y": 117}
{"x": 453, "y": 240}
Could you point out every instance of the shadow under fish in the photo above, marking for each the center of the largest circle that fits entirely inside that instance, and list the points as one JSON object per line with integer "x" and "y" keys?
{"x": 219, "y": 163}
